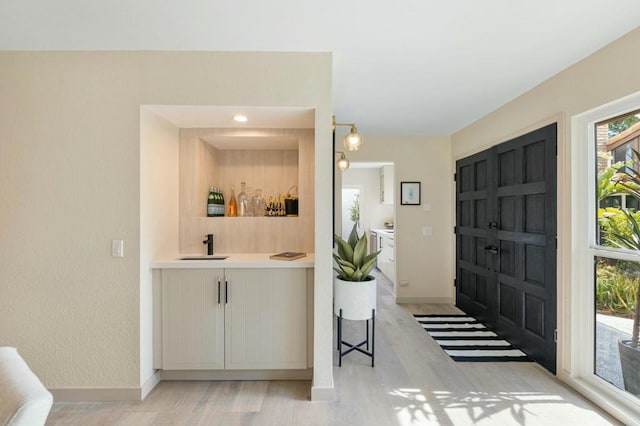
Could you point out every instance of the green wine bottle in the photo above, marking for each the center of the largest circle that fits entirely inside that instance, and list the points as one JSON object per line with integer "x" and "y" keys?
{"x": 211, "y": 203}
{"x": 221, "y": 201}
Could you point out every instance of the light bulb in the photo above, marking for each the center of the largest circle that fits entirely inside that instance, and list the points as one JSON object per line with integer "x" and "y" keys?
{"x": 353, "y": 141}
{"x": 343, "y": 162}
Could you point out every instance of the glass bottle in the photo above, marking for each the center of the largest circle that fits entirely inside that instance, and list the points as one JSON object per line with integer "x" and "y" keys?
{"x": 233, "y": 204}
{"x": 216, "y": 202}
{"x": 258, "y": 203}
{"x": 220, "y": 203}
{"x": 211, "y": 203}
{"x": 250, "y": 209}
{"x": 242, "y": 200}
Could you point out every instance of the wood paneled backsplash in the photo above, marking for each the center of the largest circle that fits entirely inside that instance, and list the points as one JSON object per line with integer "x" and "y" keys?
{"x": 273, "y": 170}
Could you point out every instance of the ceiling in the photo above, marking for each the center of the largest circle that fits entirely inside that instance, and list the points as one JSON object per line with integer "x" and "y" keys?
{"x": 412, "y": 67}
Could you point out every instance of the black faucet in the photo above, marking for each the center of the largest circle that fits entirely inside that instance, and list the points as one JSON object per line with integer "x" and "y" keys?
{"x": 209, "y": 243}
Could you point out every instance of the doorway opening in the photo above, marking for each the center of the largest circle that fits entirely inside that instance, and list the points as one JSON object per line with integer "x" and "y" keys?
{"x": 368, "y": 198}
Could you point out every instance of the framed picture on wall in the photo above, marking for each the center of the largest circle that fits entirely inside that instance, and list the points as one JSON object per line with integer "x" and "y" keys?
{"x": 410, "y": 193}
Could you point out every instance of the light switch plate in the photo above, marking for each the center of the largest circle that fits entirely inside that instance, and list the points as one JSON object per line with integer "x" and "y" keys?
{"x": 427, "y": 231}
{"x": 117, "y": 248}
{"x": 426, "y": 207}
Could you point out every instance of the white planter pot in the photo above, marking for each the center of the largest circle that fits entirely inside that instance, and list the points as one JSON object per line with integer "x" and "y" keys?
{"x": 356, "y": 299}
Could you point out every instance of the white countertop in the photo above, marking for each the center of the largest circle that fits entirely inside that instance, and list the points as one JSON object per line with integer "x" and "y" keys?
{"x": 234, "y": 260}
{"x": 384, "y": 231}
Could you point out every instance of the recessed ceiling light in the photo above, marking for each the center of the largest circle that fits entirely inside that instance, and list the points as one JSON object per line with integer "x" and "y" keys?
{"x": 240, "y": 118}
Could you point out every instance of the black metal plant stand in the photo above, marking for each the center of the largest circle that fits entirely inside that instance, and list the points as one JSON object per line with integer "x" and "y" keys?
{"x": 357, "y": 347}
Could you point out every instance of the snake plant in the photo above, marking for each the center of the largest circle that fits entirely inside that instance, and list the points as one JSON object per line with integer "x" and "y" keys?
{"x": 353, "y": 261}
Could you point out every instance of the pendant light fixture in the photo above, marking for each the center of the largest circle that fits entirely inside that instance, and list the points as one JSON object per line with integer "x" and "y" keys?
{"x": 343, "y": 162}
{"x": 353, "y": 141}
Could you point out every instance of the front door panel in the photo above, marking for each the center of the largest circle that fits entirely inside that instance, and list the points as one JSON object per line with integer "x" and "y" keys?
{"x": 475, "y": 284}
{"x": 512, "y": 287}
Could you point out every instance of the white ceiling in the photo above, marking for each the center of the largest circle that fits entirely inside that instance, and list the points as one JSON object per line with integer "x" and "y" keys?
{"x": 405, "y": 68}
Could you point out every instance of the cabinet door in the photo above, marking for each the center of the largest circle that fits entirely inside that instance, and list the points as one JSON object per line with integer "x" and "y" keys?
{"x": 383, "y": 257}
{"x": 386, "y": 258}
{"x": 390, "y": 256}
{"x": 192, "y": 320}
{"x": 266, "y": 319}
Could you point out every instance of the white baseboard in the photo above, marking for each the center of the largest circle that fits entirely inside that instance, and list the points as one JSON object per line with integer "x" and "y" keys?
{"x": 106, "y": 394}
{"x": 420, "y": 300}
{"x": 322, "y": 393}
{"x": 96, "y": 394}
{"x": 138, "y": 394}
{"x": 236, "y": 374}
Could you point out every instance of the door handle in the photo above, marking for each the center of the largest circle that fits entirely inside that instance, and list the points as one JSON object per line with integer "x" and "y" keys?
{"x": 491, "y": 249}
{"x": 226, "y": 291}
{"x": 491, "y": 225}
{"x": 218, "y": 290}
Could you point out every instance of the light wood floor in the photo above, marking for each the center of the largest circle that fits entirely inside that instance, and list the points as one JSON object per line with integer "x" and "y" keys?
{"x": 413, "y": 383}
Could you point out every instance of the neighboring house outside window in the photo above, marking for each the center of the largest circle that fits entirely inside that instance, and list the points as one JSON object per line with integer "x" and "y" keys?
{"x": 621, "y": 148}
{"x": 622, "y": 145}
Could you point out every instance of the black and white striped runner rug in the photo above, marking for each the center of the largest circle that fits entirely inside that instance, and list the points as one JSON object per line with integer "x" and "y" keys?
{"x": 465, "y": 339}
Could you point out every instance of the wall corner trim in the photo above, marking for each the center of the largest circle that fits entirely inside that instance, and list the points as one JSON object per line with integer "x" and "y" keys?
{"x": 150, "y": 384}
{"x": 325, "y": 393}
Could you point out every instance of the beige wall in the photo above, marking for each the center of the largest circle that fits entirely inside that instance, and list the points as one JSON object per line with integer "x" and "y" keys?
{"x": 605, "y": 76}
{"x": 70, "y": 163}
{"x": 609, "y": 74}
{"x": 158, "y": 216}
{"x": 419, "y": 259}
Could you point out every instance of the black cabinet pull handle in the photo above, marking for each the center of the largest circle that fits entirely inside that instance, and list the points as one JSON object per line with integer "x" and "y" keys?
{"x": 218, "y": 291}
{"x": 226, "y": 291}
{"x": 491, "y": 249}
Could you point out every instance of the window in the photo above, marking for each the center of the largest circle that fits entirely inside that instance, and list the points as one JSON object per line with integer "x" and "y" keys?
{"x": 585, "y": 253}
{"x": 616, "y": 252}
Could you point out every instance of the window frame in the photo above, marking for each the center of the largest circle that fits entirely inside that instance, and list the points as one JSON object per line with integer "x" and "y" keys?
{"x": 581, "y": 342}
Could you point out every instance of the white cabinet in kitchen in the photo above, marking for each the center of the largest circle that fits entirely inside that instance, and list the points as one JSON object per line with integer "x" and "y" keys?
{"x": 192, "y": 319}
{"x": 386, "y": 184}
{"x": 234, "y": 319}
{"x": 386, "y": 258}
{"x": 266, "y": 319}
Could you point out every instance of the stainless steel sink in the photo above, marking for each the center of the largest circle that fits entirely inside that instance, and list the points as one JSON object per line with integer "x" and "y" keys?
{"x": 204, "y": 257}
